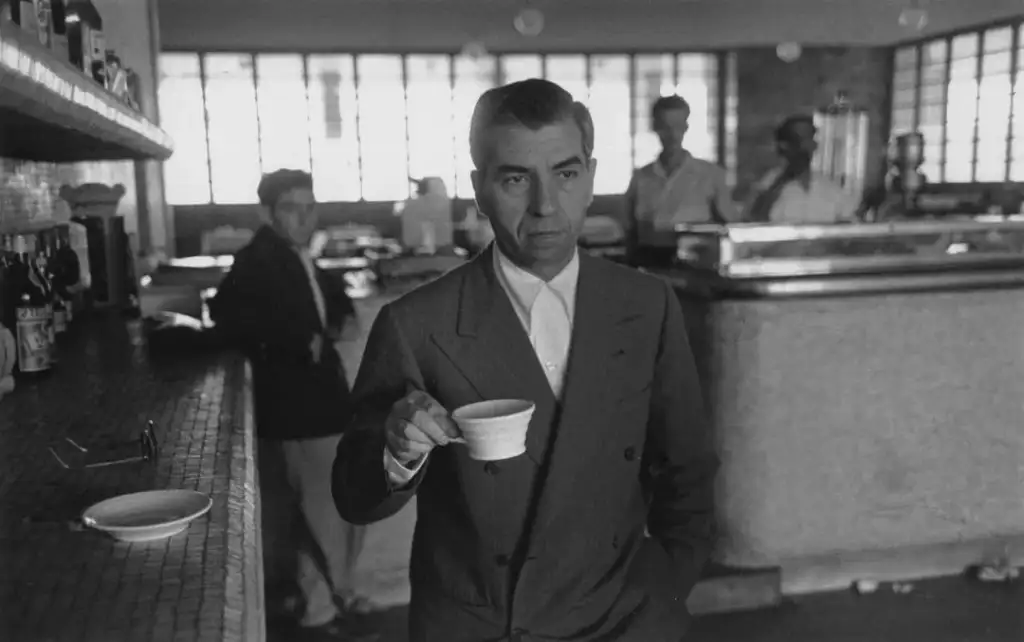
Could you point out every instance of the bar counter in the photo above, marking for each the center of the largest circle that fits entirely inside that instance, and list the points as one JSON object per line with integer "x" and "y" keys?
{"x": 866, "y": 391}
{"x": 60, "y": 581}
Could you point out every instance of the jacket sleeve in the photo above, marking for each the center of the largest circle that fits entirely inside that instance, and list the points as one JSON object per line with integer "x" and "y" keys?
{"x": 679, "y": 456}
{"x": 363, "y": 493}
{"x": 245, "y": 312}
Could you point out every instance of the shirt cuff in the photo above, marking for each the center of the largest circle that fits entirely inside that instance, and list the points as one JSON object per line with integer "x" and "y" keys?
{"x": 398, "y": 474}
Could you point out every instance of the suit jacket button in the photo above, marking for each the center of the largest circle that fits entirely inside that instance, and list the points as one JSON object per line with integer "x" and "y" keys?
{"x": 501, "y": 560}
{"x": 491, "y": 468}
{"x": 629, "y": 454}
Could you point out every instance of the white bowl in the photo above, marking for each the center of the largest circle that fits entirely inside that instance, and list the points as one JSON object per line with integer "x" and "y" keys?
{"x": 147, "y": 516}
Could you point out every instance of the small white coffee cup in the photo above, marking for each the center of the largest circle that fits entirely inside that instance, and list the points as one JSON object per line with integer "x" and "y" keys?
{"x": 494, "y": 430}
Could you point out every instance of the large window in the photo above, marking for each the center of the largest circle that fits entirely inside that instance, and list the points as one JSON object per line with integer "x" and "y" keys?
{"x": 963, "y": 93}
{"x": 365, "y": 124}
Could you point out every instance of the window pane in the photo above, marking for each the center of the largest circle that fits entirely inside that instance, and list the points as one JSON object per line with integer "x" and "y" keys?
{"x": 333, "y": 118}
{"x": 994, "y": 107}
{"x": 902, "y": 121}
{"x": 571, "y": 73}
{"x": 996, "y": 63}
{"x": 281, "y": 96}
{"x": 697, "y": 82}
{"x": 999, "y": 39}
{"x": 516, "y": 68}
{"x": 932, "y": 134}
{"x": 473, "y": 76}
{"x": 1017, "y": 170}
{"x": 187, "y": 172}
{"x": 652, "y": 78}
{"x": 965, "y": 46}
{"x": 964, "y": 69}
{"x": 934, "y": 94}
{"x": 609, "y": 92}
{"x": 234, "y": 137}
{"x": 906, "y": 59}
{"x": 904, "y": 79}
{"x": 961, "y": 108}
{"x": 429, "y": 102}
{"x": 991, "y": 161}
{"x": 931, "y": 116}
{"x": 935, "y": 53}
{"x": 382, "y": 135}
{"x": 959, "y": 158}
{"x": 904, "y": 97}
{"x": 934, "y": 74}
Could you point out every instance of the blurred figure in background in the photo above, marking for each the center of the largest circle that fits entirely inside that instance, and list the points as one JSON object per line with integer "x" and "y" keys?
{"x": 427, "y": 217}
{"x": 287, "y": 316}
{"x": 675, "y": 188}
{"x": 794, "y": 192}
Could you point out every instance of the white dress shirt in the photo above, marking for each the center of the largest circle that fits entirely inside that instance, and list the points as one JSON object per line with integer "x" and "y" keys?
{"x": 546, "y": 310}
{"x": 823, "y": 202}
{"x": 318, "y": 295}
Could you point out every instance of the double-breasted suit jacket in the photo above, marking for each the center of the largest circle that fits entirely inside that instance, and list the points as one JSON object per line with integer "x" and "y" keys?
{"x": 549, "y": 545}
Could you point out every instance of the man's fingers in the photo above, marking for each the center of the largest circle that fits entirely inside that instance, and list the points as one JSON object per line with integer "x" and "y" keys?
{"x": 413, "y": 433}
{"x": 446, "y": 428}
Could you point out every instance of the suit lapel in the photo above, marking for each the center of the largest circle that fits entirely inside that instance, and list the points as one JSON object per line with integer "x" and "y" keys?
{"x": 294, "y": 282}
{"x": 493, "y": 352}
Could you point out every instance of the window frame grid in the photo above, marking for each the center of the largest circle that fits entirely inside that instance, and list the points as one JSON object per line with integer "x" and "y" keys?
{"x": 1016, "y": 26}
{"x": 722, "y": 77}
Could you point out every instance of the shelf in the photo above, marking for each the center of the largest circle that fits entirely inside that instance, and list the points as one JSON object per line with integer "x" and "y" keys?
{"x": 50, "y": 111}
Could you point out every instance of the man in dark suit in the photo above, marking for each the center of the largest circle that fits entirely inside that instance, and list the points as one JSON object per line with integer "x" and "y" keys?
{"x": 549, "y": 545}
{"x": 287, "y": 316}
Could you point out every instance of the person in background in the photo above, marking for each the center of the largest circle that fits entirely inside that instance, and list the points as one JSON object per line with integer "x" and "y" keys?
{"x": 550, "y": 544}
{"x": 675, "y": 188}
{"x": 287, "y": 316}
{"x": 794, "y": 192}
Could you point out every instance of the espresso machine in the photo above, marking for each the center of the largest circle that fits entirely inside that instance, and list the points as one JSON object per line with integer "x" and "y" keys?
{"x": 907, "y": 179}
{"x": 842, "y": 143}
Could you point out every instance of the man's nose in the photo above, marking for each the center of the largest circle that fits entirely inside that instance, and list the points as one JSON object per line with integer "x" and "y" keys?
{"x": 543, "y": 198}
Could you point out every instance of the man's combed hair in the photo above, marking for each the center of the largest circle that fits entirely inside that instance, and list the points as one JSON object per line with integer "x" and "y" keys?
{"x": 784, "y": 132}
{"x": 668, "y": 103}
{"x": 275, "y": 184}
{"x": 532, "y": 103}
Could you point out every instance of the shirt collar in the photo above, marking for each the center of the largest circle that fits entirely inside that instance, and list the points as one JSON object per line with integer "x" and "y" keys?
{"x": 659, "y": 169}
{"x": 523, "y": 286}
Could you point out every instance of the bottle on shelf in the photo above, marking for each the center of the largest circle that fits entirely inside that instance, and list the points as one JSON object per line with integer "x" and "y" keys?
{"x": 33, "y": 314}
{"x": 55, "y": 278}
{"x": 44, "y": 22}
{"x": 59, "y": 39}
{"x": 23, "y": 14}
{"x": 87, "y": 48}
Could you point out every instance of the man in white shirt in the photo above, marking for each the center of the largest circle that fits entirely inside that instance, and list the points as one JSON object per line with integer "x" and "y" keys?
{"x": 548, "y": 545}
{"x": 794, "y": 193}
{"x": 675, "y": 188}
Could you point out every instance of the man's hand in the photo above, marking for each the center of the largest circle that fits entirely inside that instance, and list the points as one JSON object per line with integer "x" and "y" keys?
{"x": 416, "y": 425}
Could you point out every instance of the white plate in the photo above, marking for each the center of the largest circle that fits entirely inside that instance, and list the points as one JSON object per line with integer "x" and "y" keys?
{"x": 148, "y": 516}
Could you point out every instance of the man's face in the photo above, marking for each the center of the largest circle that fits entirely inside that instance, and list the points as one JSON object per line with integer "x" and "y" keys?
{"x": 671, "y": 125}
{"x": 535, "y": 187}
{"x": 800, "y": 145}
{"x": 295, "y": 216}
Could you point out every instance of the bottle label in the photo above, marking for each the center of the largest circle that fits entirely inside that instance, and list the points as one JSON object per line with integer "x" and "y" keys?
{"x": 99, "y": 47}
{"x": 33, "y": 339}
{"x": 43, "y": 22}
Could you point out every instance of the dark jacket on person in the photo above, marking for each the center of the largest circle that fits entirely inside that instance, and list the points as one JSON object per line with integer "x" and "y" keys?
{"x": 549, "y": 545}
{"x": 265, "y": 306}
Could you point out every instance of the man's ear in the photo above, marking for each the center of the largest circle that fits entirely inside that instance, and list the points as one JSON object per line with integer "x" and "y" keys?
{"x": 265, "y": 215}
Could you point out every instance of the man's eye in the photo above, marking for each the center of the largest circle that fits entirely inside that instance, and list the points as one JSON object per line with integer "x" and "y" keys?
{"x": 514, "y": 181}
{"x": 569, "y": 174}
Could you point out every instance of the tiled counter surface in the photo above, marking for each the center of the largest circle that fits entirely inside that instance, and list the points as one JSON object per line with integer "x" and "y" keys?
{"x": 61, "y": 582}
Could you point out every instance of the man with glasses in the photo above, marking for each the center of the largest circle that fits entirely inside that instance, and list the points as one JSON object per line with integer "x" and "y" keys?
{"x": 287, "y": 316}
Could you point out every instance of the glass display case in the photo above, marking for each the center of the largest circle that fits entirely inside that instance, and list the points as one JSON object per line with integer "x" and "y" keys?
{"x": 746, "y": 251}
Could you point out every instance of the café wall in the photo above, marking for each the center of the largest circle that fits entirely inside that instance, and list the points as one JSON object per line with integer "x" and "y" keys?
{"x": 855, "y": 59}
